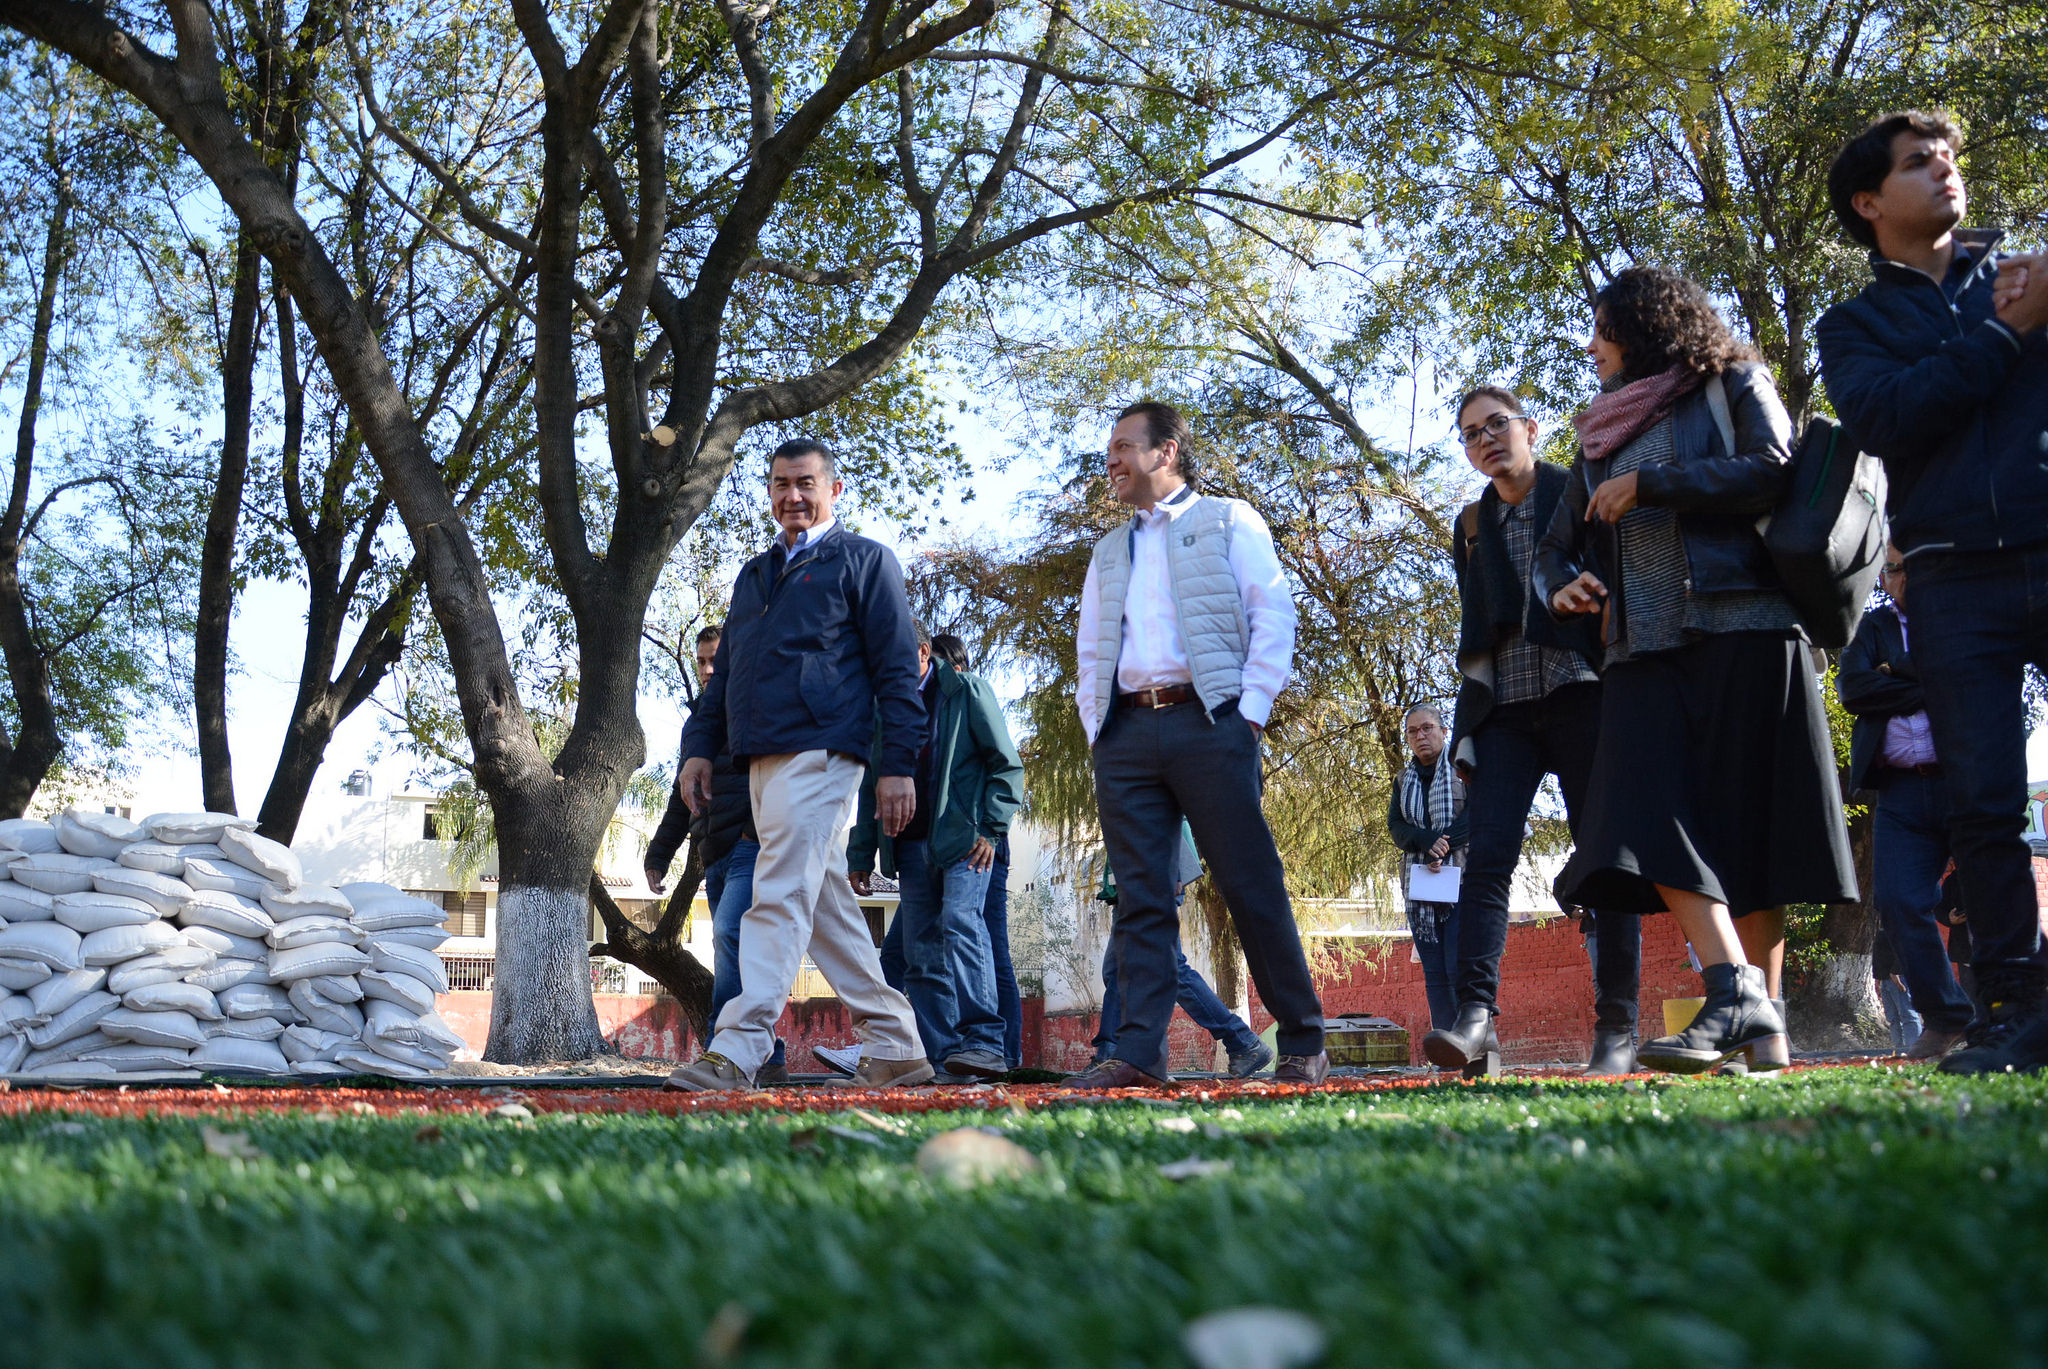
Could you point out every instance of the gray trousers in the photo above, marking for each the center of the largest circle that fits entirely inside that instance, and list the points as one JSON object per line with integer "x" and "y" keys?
{"x": 1154, "y": 766}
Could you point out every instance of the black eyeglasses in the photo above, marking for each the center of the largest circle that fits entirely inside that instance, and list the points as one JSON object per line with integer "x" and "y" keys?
{"x": 1492, "y": 427}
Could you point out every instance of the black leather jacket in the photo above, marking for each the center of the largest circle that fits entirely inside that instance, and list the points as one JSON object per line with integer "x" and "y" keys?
{"x": 1717, "y": 495}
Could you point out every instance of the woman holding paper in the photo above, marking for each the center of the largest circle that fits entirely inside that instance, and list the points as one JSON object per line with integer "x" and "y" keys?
{"x": 1714, "y": 792}
{"x": 1427, "y": 821}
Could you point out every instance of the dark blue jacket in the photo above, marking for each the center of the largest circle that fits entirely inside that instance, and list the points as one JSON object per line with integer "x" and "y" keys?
{"x": 806, "y": 661}
{"x": 1877, "y": 682}
{"x": 1944, "y": 396}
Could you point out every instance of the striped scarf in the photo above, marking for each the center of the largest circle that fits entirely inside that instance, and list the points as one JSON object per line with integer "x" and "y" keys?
{"x": 1438, "y": 808}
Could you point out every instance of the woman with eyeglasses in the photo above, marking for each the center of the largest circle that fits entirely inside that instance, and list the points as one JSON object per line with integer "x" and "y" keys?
{"x": 1713, "y": 792}
{"x": 1528, "y": 705}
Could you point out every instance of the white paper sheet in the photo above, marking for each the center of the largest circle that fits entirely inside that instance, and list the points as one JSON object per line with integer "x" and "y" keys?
{"x": 1438, "y": 886}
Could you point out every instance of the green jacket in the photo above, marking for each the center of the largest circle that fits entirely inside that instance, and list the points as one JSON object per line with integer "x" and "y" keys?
{"x": 977, "y": 779}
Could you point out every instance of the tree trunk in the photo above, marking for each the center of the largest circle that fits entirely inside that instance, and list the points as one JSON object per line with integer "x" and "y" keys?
{"x": 217, "y": 554}
{"x": 541, "y": 1009}
{"x": 1833, "y": 1003}
{"x": 36, "y": 744}
{"x": 660, "y": 952}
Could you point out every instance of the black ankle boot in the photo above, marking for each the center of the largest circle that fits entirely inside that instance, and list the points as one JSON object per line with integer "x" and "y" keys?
{"x": 1737, "y": 1018}
{"x": 1614, "y": 1051}
{"x": 1469, "y": 1044}
{"x": 2014, "y": 1040}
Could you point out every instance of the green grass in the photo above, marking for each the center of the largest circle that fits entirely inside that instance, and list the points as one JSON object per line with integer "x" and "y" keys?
{"x": 1847, "y": 1217}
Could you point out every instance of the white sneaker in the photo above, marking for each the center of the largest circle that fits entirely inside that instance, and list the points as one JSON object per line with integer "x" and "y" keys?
{"x": 839, "y": 1059}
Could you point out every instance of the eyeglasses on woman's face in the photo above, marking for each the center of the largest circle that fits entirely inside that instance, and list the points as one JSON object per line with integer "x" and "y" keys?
{"x": 1495, "y": 426}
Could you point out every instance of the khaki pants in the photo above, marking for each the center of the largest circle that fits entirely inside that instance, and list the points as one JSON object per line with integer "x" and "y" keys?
{"x": 803, "y": 807}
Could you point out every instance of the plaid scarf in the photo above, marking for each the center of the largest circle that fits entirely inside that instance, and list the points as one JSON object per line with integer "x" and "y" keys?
{"x": 1438, "y": 808}
{"x": 1619, "y": 416}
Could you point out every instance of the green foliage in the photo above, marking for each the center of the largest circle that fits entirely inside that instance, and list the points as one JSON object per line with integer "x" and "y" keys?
{"x": 1542, "y": 1224}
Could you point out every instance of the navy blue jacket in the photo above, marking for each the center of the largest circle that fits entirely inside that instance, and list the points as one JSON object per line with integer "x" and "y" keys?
{"x": 1877, "y": 682}
{"x": 806, "y": 662}
{"x": 1942, "y": 394}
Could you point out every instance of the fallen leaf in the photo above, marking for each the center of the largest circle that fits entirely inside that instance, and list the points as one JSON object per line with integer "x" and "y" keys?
{"x": 228, "y": 1145}
{"x": 1253, "y": 1338}
{"x": 970, "y": 1156}
{"x": 1193, "y": 1167}
{"x": 428, "y": 1134}
{"x": 879, "y": 1122}
{"x": 1184, "y": 1125}
{"x": 513, "y": 1112}
{"x": 804, "y": 1139}
{"x": 362, "y": 1109}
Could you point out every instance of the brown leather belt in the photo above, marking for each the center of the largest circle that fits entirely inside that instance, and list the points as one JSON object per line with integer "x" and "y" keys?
{"x": 1161, "y": 697}
{"x": 1933, "y": 768}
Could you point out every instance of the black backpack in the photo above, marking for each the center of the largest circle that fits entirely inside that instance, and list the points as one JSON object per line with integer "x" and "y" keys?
{"x": 1826, "y": 537}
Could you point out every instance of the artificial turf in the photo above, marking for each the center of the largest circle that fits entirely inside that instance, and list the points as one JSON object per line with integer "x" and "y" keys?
{"x": 1865, "y": 1217}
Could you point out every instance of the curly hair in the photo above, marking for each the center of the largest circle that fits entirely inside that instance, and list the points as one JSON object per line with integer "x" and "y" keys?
{"x": 1660, "y": 319}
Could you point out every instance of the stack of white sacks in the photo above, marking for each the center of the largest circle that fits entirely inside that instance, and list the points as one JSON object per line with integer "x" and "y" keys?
{"x": 187, "y": 942}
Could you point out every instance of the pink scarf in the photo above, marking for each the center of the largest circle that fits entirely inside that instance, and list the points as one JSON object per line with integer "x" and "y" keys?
{"x": 1617, "y": 418}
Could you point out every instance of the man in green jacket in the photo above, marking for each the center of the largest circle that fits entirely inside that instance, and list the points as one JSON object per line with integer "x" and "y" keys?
{"x": 969, "y": 783}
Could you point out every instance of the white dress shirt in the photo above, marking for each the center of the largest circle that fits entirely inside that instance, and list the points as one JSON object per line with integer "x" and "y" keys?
{"x": 1152, "y": 652}
{"x": 806, "y": 539}
{"x": 1908, "y": 737}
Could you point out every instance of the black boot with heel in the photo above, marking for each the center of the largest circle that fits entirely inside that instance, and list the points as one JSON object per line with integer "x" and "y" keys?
{"x": 1614, "y": 1052}
{"x": 1469, "y": 1045}
{"x": 1737, "y": 1018}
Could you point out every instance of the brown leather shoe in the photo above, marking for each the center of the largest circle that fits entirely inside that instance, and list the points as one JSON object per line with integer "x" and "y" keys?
{"x": 1933, "y": 1044}
{"x": 1302, "y": 1069}
{"x": 710, "y": 1073}
{"x": 871, "y": 1073}
{"x": 1112, "y": 1073}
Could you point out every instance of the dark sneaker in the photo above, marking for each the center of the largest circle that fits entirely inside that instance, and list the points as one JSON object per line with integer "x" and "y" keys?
{"x": 871, "y": 1073}
{"x": 1112, "y": 1073}
{"x": 1249, "y": 1061}
{"x": 839, "y": 1059}
{"x": 977, "y": 1064}
{"x": 1932, "y": 1044}
{"x": 2016, "y": 1042}
{"x": 710, "y": 1073}
{"x": 1302, "y": 1069}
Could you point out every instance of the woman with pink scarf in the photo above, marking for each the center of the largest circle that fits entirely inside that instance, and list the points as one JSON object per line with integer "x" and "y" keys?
{"x": 1713, "y": 792}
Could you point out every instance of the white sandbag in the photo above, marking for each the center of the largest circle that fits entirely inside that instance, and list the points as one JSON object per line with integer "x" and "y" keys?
{"x": 50, "y": 942}
{"x": 326, "y": 1014}
{"x": 15, "y": 1010}
{"x": 384, "y": 1020}
{"x": 93, "y": 911}
{"x": 160, "y": 892}
{"x": 19, "y": 903}
{"x": 239, "y": 1055}
{"x": 400, "y": 959}
{"x": 57, "y": 873}
{"x": 153, "y": 1028}
{"x": 227, "y": 943}
{"x": 176, "y": 996}
{"x": 130, "y": 1058}
{"x": 246, "y": 1001}
{"x": 271, "y": 859}
{"x": 304, "y": 931}
{"x": 39, "y": 1060}
{"x": 326, "y": 1067}
{"x": 426, "y": 938}
{"x": 158, "y": 857}
{"x": 97, "y": 834}
{"x": 228, "y": 972}
{"x": 233, "y": 913}
{"x": 26, "y": 834}
{"x": 160, "y": 968}
{"x": 8, "y": 855}
{"x": 224, "y": 876}
{"x": 304, "y": 962}
{"x": 383, "y": 912}
{"x": 303, "y": 1044}
{"x": 338, "y": 988}
{"x": 363, "y": 1061}
{"x": 414, "y": 995}
{"x": 59, "y": 992}
{"x": 246, "y": 1028}
{"x": 21, "y": 975}
{"x": 306, "y": 900}
{"x": 68, "y": 1070}
{"x": 115, "y": 945}
{"x": 75, "y": 1021}
{"x": 13, "y": 1050}
{"x": 189, "y": 829}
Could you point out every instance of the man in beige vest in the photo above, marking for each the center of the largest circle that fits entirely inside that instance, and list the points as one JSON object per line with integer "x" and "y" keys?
{"x": 1186, "y": 636}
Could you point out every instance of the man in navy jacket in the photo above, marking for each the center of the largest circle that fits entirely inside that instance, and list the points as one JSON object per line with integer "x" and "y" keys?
{"x": 818, "y": 642}
{"x": 1939, "y": 368}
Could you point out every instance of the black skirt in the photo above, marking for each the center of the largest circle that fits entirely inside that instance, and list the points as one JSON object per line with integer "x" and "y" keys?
{"x": 1714, "y": 772}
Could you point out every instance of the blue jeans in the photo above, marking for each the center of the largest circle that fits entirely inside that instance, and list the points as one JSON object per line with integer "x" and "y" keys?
{"x": 1191, "y": 992}
{"x": 1434, "y": 928}
{"x": 1978, "y": 620}
{"x": 1910, "y": 840}
{"x": 1516, "y": 746}
{"x": 729, "y": 889}
{"x": 995, "y": 916}
{"x": 1904, "y": 1024}
{"x": 942, "y": 955}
